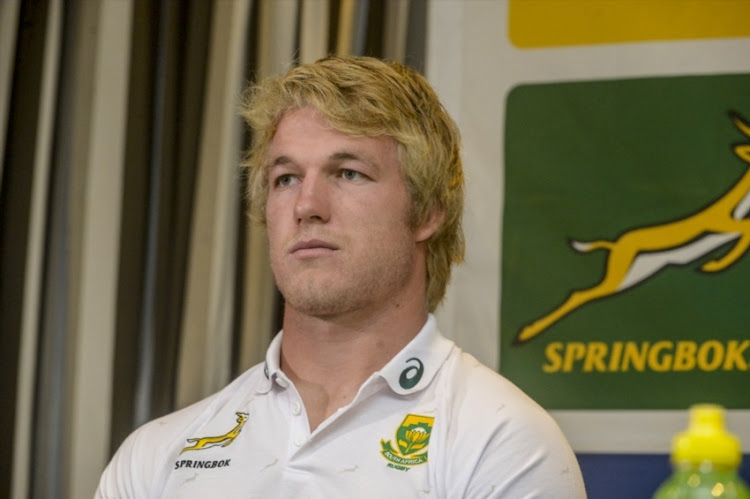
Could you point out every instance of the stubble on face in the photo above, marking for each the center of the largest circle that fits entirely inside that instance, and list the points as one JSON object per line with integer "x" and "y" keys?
{"x": 370, "y": 280}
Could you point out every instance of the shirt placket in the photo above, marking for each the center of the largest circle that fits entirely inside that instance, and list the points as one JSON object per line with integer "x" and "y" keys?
{"x": 294, "y": 412}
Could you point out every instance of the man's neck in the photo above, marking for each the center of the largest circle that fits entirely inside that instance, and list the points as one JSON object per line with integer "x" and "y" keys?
{"x": 328, "y": 359}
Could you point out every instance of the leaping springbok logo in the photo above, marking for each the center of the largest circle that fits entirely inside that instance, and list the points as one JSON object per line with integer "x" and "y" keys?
{"x": 638, "y": 254}
{"x": 222, "y": 440}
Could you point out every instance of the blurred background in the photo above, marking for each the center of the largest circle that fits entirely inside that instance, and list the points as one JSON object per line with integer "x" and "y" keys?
{"x": 132, "y": 284}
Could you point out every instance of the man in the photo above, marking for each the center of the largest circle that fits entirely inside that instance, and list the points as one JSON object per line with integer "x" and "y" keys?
{"x": 355, "y": 171}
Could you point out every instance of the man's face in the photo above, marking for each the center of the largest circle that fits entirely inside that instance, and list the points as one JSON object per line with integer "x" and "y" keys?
{"x": 337, "y": 219}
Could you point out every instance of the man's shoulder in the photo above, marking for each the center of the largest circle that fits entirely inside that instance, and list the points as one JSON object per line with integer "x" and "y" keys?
{"x": 482, "y": 395}
{"x": 167, "y": 430}
{"x": 492, "y": 425}
{"x": 475, "y": 379}
{"x": 142, "y": 461}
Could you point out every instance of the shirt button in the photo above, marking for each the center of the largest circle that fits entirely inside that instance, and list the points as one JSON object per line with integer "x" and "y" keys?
{"x": 296, "y": 408}
{"x": 299, "y": 440}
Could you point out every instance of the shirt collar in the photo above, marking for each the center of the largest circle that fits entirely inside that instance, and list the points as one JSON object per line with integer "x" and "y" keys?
{"x": 272, "y": 366}
{"x": 411, "y": 370}
{"x": 414, "y": 367}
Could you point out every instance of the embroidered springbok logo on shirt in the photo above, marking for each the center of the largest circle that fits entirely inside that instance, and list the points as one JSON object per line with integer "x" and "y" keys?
{"x": 638, "y": 254}
{"x": 221, "y": 440}
{"x": 412, "y": 438}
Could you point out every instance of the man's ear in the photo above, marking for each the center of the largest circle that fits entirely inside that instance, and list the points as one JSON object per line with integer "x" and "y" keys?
{"x": 430, "y": 226}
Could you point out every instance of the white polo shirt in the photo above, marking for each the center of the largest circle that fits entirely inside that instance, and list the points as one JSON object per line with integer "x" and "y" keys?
{"x": 433, "y": 422}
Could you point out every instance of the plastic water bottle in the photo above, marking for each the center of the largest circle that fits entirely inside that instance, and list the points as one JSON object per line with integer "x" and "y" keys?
{"x": 705, "y": 459}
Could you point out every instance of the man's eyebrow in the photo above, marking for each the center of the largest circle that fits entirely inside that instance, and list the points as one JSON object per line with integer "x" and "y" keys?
{"x": 344, "y": 155}
{"x": 349, "y": 155}
{"x": 336, "y": 156}
{"x": 279, "y": 161}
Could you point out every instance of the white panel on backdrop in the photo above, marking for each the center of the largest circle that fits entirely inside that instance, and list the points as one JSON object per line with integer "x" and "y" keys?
{"x": 461, "y": 65}
{"x": 473, "y": 66}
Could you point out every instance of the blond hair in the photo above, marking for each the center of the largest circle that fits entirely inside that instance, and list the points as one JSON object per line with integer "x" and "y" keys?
{"x": 366, "y": 97}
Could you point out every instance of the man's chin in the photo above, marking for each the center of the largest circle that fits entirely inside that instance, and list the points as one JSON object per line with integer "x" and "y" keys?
{"x": 324, "y": 307}
{"x": 312, "y": 305}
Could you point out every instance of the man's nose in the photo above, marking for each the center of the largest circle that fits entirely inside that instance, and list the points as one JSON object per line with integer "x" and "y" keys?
{"x": 313, "y": 199}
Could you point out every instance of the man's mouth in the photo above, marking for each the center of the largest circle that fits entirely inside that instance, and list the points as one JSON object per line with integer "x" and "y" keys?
{"x": 311, "y": 248}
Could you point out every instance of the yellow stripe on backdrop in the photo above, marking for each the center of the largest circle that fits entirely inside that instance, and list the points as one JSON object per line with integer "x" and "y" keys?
{"x": 550, "y": 23}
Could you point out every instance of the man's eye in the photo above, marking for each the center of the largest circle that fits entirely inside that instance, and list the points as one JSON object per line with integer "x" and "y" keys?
{"x": 350, "y": 175}
{"x": 284, "y": 180}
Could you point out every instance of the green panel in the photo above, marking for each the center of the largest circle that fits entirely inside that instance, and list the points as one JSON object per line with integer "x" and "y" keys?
{"x": 590, "y": 161}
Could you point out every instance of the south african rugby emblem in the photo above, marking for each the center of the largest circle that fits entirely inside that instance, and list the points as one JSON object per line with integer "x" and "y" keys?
{"x": 412, "y": 438}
